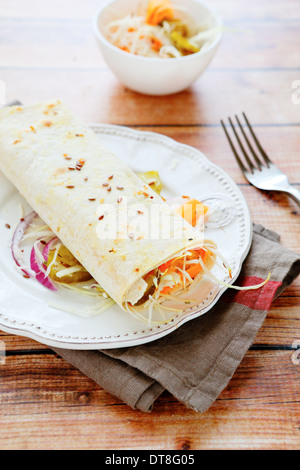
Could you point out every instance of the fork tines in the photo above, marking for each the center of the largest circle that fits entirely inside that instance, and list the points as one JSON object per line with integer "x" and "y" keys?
{"x": 255, "y": 164}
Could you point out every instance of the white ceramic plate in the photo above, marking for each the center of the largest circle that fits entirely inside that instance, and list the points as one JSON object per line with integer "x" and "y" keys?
{"x": 25, "y": 305}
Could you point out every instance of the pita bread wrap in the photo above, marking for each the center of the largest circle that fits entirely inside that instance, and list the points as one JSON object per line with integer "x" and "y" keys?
{"x": 115, "y": 225}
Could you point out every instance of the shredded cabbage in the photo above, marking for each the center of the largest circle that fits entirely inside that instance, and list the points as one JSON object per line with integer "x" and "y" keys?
{"x": 174, "y": 280}
{"x": 68, "y": 271}
{"x": 157, "y": 299}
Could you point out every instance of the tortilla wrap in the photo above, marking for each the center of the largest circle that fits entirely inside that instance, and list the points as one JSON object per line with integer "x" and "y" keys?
{"x": 80, "y": 188}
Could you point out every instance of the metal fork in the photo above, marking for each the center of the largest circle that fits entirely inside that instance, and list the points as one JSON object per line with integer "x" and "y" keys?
{"x": 260, "y": 170}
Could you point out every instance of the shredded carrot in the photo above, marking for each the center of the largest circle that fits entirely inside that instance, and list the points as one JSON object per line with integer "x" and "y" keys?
{"x": 158, "y": 11}
{"x": 155, "y": 44}
{"x": 163, "y": 267}
{"x": 193, "y": 271}
{"x": 169, "y": 289}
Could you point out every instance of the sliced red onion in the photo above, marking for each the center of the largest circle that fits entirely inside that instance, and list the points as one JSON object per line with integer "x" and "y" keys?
{"x": 16, "y": 240}
{"x": 39, "y": 269}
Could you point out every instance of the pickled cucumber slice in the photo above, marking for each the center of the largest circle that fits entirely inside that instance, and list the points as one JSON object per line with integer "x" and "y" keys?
{"x": 152, "y": 179}
{"x": 182, "y": 43}
{"x": 66, "y": 263}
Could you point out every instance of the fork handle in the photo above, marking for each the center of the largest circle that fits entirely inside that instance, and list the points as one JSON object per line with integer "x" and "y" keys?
{"x": 294, "y": 193}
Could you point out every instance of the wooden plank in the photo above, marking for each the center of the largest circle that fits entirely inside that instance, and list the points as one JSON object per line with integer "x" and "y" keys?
{"x": 74, "y": 9}
{"x": 72, "y": 44}
{"x": 275, "y": 212}
{"x": 259, "y": 10}
{"x": 11, "y": 343}
{"x": 54, "y": 407}
{"x": 266, "y": 97}
{"x": 258, "y": 45}
{"x": 281, "y": 327}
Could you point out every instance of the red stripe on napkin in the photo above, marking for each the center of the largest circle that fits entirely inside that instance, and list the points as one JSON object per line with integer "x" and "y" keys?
{"x": 257, "y": 299}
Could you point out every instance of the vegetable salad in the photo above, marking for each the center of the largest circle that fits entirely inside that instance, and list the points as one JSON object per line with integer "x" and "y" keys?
{"x": 163, "y": 30}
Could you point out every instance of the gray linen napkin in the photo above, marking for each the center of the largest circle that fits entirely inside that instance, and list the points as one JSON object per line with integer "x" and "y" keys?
{"x": 196, "y": 362}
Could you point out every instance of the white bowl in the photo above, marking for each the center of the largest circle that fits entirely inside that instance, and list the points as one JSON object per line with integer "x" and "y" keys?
{"x": 154, "y": 76}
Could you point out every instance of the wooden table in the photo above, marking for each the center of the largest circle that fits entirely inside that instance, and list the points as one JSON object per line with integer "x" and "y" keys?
{"x": 47, "y": 50}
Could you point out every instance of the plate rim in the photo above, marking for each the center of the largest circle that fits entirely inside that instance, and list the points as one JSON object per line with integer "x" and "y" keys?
{"x": 114, "y": 342}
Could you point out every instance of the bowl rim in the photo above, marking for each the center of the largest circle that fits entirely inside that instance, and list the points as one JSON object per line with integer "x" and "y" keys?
{"x": 116, "y": 49}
